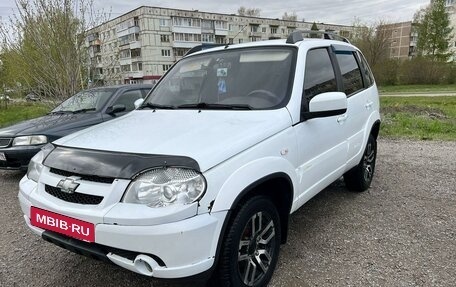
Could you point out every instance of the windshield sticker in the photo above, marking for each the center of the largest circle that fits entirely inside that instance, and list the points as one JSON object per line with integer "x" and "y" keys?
{"x": 221, "y": 86}
{"x": 222, "y": 72}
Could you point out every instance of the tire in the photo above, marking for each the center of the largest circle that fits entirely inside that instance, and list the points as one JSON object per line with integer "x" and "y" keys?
{"x": 251, "y": 246}
{"x": 360, "y": 177}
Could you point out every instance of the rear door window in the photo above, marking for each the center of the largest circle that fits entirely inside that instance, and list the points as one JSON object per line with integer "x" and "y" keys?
{"x": 351, "y": 74}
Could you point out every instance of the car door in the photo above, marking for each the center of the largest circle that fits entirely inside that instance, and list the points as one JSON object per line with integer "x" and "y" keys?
{"x": 353, "y": 123}
{"x": 322, "y": 143}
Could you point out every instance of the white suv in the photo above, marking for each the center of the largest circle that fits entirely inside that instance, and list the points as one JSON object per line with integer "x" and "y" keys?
{"x": 203, "y": 176}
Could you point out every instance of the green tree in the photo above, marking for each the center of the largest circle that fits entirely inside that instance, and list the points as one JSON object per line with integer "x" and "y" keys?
{"x": 45, "y": 42}
{"x": 314, "y": 28}
{"x": 434, "y": 31}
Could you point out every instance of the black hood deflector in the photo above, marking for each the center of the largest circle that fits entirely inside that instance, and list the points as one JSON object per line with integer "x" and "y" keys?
{"x": 112, "y": 164}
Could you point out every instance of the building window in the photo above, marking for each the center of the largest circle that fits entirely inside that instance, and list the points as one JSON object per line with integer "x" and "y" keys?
{"x": 185, "y": 37}
{"x": 125, "y": 68}
{"x": 180, "y": 52}
{"x": 207, "y": 38}
{"x": 166, "y": 67}
{"x": 241, "y": 41}
{"x": 136, "y": 66}
{"x": 254, "y": 28}
{"x": 164, "y": 38}
{"x": 163, "y": 22}
{"x": 263, "y": 29}
{"x": 124, "y": 54}
{"x": 136, "y": 22}
{"x": 166, "y": 53}
{"x": 186, "y": 22}
{"x": 230, "y": 40}
{"x": 135, "y": 53}
{"x": 220, "y": 25}
{"x": 273, "y": 30}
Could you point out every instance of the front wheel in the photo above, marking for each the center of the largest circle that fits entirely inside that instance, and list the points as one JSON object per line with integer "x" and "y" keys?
{"x": 251, "y": 247}
{"x": 360, "y": 177}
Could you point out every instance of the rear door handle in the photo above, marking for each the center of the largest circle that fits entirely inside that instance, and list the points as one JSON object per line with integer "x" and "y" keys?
{"x": 369, "y": 105}
{"x": 342, "y": 119}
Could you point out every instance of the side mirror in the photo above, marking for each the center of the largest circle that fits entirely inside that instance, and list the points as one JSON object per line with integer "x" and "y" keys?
{"x": 326, "y": 105}
{"x": 138, "y": 103}
{"x": 116, "y": 109}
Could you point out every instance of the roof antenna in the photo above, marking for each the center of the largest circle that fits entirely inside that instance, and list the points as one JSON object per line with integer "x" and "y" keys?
{"x": 227, "y": 45}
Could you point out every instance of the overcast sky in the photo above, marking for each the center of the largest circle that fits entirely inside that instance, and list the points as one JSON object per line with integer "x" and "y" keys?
{"x": 326, "y": 11}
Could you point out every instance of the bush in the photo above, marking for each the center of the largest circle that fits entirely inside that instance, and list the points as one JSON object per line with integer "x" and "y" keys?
{"x": 386, "y": 72}
{"x": 417, "y": 71}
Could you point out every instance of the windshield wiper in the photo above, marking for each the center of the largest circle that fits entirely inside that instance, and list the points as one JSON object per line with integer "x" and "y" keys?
{"x": 83, "y": 110}
{"x": 58, "y": 112}
{"x": 156, "y": 106}
{"x": 207, "y": 106}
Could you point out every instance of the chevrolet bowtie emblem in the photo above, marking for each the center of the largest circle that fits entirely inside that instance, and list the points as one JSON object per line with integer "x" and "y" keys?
{"x": 69, "y": 184}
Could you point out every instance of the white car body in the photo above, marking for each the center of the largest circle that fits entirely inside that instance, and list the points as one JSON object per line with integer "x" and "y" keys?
{"x": 234, "y": 150}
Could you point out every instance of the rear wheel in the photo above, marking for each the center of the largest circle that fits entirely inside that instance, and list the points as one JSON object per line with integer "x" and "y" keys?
{"x": 251, "y": 247}
{"x": 360, "y": 177}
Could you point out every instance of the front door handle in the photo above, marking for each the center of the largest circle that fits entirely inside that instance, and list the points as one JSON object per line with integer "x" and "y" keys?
{"x": 342, "y": 119}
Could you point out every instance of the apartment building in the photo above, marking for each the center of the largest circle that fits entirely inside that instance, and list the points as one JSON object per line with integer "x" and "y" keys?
{"x": 141, "y": 45}
{"x": 403, "y": 40}
{"x": 451, "y": 8}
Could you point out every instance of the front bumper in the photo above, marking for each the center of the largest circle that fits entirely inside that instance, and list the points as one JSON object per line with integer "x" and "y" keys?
{"x": 177, "y": 249}
{"x": 18, "y": 158}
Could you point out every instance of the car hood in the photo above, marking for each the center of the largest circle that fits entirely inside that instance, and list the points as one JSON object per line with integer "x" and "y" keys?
{"x": 209, "y": 137}
{"x": 53, "y": 124}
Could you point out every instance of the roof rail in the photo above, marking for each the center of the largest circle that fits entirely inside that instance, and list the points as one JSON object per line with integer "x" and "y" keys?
{"x": 297, "y": 36}
{"x": 202, "y": 47}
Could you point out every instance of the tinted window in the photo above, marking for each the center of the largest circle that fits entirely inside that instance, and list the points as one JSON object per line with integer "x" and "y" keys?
{"x": 351, "y": 74}
{"x": 319, "y": 76}
{"x": 128, "y": 99}
{"x": 369, "y": 78}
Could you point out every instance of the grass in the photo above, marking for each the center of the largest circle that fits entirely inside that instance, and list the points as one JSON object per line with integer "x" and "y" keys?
{"x": 18, "y": 112}
{"x": 417, "y": 89}
{"x": 424, "y": 118}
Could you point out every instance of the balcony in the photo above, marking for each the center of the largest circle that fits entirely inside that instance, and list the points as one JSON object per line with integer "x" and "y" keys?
{"x": 134, "y": 74}
{"x": 136, "y": 59}
{"x": 128, "y": 31}
{"x": 183, "y": 44}
{"x": 135, "y": 45}
{"x": 221, "y": 32}
{"x": 125, "y": 61}
{"x": 188, "y": 30}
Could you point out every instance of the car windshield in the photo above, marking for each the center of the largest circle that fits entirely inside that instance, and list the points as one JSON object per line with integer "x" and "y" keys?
{"x": 254, "y": 78}
{"x": 89, "y": 100}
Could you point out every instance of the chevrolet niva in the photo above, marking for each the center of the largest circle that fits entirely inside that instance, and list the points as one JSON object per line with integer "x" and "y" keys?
{"x": 202, "y": 177}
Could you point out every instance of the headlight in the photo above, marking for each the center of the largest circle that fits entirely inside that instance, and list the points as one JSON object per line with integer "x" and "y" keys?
{"x": 36, "y": 163}
{"x": 166, "y": 186}
{"x": 29, "y": 140}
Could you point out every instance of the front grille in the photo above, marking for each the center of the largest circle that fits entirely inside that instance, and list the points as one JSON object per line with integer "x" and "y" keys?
{"x": 4, "y": 142}
{"x": 76, "y": 197}
{"x": 92, "y": 178}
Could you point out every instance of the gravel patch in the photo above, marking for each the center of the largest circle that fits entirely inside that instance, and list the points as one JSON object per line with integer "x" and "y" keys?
{"x": 401, "y": 232}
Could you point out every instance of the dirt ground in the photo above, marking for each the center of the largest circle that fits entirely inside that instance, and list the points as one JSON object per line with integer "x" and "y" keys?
{"x": 401, "y": 232}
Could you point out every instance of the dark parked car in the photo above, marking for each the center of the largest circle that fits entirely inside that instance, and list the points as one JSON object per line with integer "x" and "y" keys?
{"x": 20, "y": 142}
